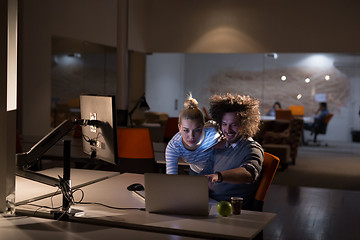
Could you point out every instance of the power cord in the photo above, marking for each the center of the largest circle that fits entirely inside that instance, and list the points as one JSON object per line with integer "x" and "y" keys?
{"x": 68, "y": 194}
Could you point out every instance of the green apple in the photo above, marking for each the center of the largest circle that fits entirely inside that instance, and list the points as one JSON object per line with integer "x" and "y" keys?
{"x": 224, "y": 208}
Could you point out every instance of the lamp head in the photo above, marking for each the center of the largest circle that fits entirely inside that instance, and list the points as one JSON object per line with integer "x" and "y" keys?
{"x": 144, "y": 106}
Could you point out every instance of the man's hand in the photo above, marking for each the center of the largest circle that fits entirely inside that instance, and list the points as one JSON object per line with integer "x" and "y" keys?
{"x": 236, "y": 176}
{"x": 213, "y": 178}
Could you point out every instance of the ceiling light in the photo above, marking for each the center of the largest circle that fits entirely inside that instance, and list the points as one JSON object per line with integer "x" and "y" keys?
{"x": 327, "y": 77}
{"x": 283, "y": 78}
{"x": 272, "y": 55}
{"x": 307, "y": 80}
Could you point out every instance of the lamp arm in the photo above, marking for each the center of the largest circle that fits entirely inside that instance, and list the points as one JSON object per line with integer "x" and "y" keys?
{"x": 135, "y": 107}
{"x": 137, "y": 104}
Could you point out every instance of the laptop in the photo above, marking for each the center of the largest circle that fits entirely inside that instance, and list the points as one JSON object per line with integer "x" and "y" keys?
{"x": 176, "y": 194}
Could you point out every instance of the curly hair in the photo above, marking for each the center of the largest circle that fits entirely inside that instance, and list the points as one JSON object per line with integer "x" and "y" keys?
{"x": 246, "y": 108}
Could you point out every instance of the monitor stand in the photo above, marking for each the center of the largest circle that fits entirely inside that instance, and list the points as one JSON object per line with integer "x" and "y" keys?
{"x": 27, "y": 159}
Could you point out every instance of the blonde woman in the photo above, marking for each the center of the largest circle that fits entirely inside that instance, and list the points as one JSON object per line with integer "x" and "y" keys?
{"x": 193, "y": 143}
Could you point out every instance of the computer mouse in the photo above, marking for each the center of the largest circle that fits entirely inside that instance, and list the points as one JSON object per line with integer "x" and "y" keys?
{"x": 135, "y": 187}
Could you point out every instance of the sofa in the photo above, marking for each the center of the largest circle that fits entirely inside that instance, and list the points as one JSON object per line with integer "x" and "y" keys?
{"x": 282, "y": 132}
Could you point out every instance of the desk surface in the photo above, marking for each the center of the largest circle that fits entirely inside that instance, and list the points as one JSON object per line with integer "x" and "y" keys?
{"x": 79, "y": 177}
{"x": 113, "y": 192}
{"x": 306, "y": 118}
{"x": 29, "y": 228}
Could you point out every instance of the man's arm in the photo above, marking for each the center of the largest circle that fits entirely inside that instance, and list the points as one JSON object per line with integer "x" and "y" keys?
{"x": 237, "y": 176}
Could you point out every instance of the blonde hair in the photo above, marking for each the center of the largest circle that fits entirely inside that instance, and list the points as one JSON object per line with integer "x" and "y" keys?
{"x": 191, "y": 111}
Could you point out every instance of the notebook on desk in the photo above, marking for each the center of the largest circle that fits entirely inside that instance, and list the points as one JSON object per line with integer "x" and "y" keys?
{"x": 176, "y": 194}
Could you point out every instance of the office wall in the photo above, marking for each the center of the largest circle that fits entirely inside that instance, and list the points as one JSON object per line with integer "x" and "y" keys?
{"x": 258, "y": 75}
{"x": 165, "y": 83}
{"x": 233, "y": 26}
{"x": 176, "y": 26}
{"x": 90, "y": 20}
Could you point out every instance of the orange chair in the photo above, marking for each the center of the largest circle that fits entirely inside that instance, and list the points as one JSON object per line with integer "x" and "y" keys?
{"x": 269, "y": 168}
{"x": 320, "y": 127}
{"x": 135, "y": 150}
{"x": 297, "y": 110}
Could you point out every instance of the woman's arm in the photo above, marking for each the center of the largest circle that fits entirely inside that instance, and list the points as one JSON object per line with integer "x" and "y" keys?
{"x": 171, "y": 157}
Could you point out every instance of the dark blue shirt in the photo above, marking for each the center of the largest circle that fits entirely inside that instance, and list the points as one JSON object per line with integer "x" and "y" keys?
{"x": 244, "y": 153}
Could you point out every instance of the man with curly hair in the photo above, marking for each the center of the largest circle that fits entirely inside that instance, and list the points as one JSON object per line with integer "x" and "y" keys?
{"x": 233, "y": 171}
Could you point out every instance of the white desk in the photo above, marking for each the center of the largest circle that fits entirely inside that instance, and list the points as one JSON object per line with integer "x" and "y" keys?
{"x": 26, "y": 189}
{"x": 306, "y": 118}
{"x": 112, "y": 191}
{"x": 159, "y": 153}
{"x": 29, "y": 228}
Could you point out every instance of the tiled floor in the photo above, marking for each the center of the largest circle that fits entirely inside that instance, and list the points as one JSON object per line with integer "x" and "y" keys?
{"x": 314, "y": 212}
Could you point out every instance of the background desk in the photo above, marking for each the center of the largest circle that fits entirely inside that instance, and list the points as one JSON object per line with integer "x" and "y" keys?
{"x": 113, "y": 192}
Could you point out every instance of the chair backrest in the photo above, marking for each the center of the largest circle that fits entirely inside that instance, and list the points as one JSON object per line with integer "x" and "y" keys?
{"x": 322, "y": 126}
{"x": 269, "y": 168}
{"x": 136, "y": 152}
{"x": 328, "y": 117}
{"x": 297, "y": 110}
{"x": 135, "y": 143}
{"x": 171, "y": 128}
{"x": 283, "y": 114}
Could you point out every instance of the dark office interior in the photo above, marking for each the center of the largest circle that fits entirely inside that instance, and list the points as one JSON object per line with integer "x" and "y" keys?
{"x": 298, "y": 53}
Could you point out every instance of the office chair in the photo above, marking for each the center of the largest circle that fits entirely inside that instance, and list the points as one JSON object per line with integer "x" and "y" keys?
{"x": 135, "y": 150}
{"x": 171, "y": 128}
{"x": 297, "y": 110}
{"x": 269, "y": 168}
{"x": 268, "y": 171}
{"x": 283, "y": 114}
{"x": 320, "y": 128}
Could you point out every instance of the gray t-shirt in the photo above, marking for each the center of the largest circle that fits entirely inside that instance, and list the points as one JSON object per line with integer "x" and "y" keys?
{"x": 244, "y": 153}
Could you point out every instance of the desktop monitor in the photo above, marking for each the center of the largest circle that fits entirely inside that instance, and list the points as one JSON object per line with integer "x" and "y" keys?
{"x": 100, "y": 135}
{"x": 99, "y": 140}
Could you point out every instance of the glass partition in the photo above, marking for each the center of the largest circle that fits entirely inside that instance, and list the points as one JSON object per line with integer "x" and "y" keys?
{"x": 79, "y": 67}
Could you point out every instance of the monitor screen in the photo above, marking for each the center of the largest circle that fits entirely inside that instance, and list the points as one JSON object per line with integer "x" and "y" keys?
{"x": 99, "y": 139}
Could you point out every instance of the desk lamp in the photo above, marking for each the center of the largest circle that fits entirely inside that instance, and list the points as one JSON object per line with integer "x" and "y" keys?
{"x": 142, "y": 104}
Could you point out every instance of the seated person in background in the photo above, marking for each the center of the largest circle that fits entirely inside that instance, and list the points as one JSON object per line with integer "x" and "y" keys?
{"x": 321, "y": 114}
{"x": 272, "y": 110}
{"x": 193, "y": 143}
{"x": 233, "y": 171}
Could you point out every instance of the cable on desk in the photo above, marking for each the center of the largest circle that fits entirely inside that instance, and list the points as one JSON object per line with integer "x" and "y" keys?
{"x": 108, "y": 206}
{"x": 68, "y": 194}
